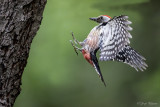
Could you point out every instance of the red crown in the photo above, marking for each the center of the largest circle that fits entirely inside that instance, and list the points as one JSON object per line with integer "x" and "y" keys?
{"x": 107, "y": 16}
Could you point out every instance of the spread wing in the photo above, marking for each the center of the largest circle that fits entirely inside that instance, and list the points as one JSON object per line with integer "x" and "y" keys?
{"x": 113, "y": 37}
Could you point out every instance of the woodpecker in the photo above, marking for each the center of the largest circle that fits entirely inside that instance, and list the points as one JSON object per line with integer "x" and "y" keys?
{"x": 111, "y": 37}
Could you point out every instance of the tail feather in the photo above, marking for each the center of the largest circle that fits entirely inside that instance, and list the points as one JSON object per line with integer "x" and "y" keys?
{"x": 96, "y": 66}
{"x": 130, "y": 56}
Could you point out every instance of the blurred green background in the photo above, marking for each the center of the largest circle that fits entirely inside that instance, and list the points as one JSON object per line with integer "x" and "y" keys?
{"x": 56, "y": 77}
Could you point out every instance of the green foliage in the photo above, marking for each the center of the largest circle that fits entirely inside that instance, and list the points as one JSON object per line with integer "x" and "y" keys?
{"x": 56, "y": 77}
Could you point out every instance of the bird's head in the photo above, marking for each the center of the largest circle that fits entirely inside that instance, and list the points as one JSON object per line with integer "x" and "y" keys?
{"x": 101, "y": 19}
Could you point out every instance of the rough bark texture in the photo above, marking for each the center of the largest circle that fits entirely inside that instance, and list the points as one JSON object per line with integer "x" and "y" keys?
{"x": 19, "y": 22}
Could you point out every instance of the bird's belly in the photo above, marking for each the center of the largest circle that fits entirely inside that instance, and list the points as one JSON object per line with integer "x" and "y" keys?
{"x": 92, "y": 43}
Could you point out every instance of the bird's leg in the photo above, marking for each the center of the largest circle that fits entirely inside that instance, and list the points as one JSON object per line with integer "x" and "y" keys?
{"x": 76, "y": 41}
{"x": 75, "y": 47}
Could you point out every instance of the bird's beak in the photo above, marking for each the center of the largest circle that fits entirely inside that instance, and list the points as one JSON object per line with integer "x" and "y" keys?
{"x": 93, "y": 18}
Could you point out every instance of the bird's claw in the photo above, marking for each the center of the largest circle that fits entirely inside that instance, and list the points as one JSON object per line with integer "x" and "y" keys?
{"x": 75, "y": 40}
{"x": 76, "y": 43}
{"x": 75, "y": 48}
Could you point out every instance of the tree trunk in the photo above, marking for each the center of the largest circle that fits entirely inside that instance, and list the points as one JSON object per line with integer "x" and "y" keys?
{"x": 19, "y": 22}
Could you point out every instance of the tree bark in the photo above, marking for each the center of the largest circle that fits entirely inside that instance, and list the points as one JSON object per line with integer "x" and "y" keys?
{"x": 19, "y": 22}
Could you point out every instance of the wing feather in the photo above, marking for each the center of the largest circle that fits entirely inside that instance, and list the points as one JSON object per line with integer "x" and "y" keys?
{"x": 129, "y": 56}
{"x": 114, "y": 36}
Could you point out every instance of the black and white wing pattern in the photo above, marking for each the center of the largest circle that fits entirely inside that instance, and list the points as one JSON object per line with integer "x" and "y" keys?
{"x": 129, "y": 56}
{"x": 114, "y": 36}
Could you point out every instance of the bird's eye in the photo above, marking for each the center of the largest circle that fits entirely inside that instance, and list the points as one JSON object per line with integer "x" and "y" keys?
{"x": 101, "y": 17}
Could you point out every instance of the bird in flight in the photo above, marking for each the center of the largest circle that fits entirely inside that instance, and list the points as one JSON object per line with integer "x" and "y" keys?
{"x": 111, "y": 37}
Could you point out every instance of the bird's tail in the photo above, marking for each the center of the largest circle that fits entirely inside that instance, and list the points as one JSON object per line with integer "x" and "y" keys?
{"x": 130, "y": 56}
{"x": 96, "y": 66}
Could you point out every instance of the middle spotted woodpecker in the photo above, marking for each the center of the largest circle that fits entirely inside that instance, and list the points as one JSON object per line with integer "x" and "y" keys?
{"x": 111, "y": 37}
